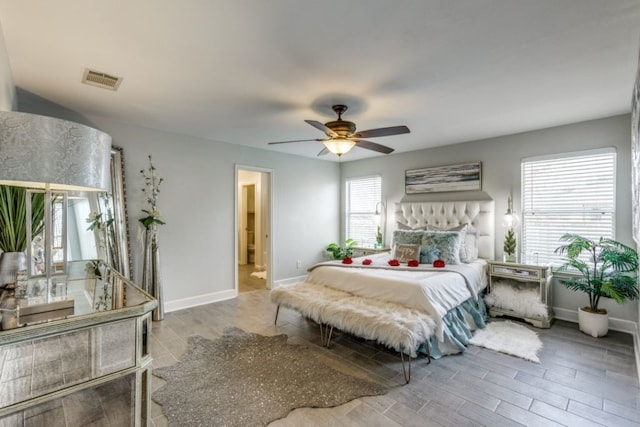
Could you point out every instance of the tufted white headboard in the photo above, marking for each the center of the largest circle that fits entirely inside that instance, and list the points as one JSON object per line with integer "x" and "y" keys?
{"x": 479, "y": 214}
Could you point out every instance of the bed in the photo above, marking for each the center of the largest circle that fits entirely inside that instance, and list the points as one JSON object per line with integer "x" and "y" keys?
{"x": 447, "y": 300}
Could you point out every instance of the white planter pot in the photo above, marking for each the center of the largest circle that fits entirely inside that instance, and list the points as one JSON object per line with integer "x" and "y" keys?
{"x": 594, "y": 324}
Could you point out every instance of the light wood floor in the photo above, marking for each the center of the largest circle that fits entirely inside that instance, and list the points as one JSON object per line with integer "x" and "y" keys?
{"x": 247, "y": 282}
{"x": 581, "y": 381}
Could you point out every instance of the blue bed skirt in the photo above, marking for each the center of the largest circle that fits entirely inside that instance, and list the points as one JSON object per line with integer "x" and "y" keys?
{"x": 458, "y": 326}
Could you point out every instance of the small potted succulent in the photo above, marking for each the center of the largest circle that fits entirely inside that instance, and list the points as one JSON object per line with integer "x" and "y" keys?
{"x": 609, "y": 270}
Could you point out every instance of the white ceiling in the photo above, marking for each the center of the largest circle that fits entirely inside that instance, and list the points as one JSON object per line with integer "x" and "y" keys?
{"x": 250, "y": 71}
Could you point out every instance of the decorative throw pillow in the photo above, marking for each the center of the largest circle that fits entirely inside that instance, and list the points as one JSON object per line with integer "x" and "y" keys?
{"x": 405, "y": 253}
{"x": 469, "y": 246}
{"x": 407, "y": 237}
{"x": 448, "y": 242}
{"x": 428, "y": 254}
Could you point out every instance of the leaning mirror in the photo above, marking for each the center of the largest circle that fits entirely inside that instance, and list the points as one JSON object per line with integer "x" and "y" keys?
{"x": 97, "y": 222}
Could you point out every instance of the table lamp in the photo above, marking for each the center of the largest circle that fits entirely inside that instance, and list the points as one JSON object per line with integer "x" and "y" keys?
{"x": 51, "y": 156}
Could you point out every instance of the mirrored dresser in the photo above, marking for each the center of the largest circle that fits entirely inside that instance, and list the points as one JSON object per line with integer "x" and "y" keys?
{"x": 76, "y": 352}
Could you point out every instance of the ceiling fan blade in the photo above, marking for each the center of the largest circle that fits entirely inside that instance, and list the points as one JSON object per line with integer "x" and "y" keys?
{"x": 371, "y": 133}
{"x": 316, "y": 124}
{"x": 373, "y": 146}
{"x": 324, "y": 151}
{"x": 295, "y": 140}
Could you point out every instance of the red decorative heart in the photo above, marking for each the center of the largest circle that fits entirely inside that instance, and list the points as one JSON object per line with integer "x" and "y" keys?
{"x": 394, "y": 262}
{"x": 413, "y": 263}
{"x": 347, "y": 260}
{"x": 438, "y": 263}
{"x": 366, "y": 261}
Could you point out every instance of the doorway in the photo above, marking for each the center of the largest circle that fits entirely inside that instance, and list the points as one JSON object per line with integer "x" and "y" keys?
{"x": 253, "y": 229}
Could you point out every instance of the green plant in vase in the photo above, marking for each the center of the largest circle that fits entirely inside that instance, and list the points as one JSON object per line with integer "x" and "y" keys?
{"x": 13, "y": 217}
{"x": 151, "y": 190}
{"x": 341, "y": 252}
{"x": 509, "y": 246}
{"x": 13, "y": 228}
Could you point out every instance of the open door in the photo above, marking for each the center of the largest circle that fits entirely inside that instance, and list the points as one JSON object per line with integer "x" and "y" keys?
{"x": 253, "y": 228}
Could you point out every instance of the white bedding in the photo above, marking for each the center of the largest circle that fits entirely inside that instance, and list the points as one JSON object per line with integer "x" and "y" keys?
{"x": 433, "y": 291}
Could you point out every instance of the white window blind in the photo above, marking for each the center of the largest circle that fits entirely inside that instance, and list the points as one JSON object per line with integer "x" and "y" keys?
{"x": 362, "y": 196}
{"x": 571, "y": 193}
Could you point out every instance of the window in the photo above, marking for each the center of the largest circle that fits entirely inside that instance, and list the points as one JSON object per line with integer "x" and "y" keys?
{"x": 570, "y": 193}
{"x": 58, "y": 218}
{"x": 363, "y": 194}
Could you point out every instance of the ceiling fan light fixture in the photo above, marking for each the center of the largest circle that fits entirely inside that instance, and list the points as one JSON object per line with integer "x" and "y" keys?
{"x": 339, "y": 146}
{"x": 342, "y": 136}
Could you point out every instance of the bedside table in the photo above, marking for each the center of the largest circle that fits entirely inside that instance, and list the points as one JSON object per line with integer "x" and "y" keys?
{"x": 359, "y": 251}
{"x": 532, "y": 282}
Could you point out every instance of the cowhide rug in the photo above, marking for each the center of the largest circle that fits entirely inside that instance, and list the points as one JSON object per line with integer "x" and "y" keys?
{"x": 245, "y": 379}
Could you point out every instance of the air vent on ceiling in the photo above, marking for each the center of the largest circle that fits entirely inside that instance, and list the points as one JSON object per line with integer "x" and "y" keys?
{"x": 103, "y": 80}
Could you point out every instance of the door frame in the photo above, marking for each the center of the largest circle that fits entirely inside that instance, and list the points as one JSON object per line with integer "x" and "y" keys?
{"x": 242, "y": 223}
{"x": 268, "y": 231}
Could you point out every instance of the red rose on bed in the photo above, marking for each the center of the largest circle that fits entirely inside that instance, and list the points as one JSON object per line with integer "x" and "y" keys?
{"x": 413, "y": 263}
{"x": 438, "y": 263}
{"x": 394, "y": 262}
{"x": 347, "y": 260}
{"x": 366, "y": 261}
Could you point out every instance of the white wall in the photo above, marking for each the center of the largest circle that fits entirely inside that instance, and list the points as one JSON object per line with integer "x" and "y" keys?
{"x": 7, "y": 90}
{"x": 197, "y": 201}
{"x": 501, "y": 173}
{"x": 198, "y": 204}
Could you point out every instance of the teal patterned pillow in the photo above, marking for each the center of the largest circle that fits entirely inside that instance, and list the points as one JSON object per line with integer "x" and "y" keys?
{"x": 447, "y": 242}
{"x": 407, "y": 237}
{"x": 428, "y": 254}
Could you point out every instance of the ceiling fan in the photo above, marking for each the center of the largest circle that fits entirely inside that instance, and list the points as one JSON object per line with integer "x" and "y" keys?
{"x": 342, "y": 135}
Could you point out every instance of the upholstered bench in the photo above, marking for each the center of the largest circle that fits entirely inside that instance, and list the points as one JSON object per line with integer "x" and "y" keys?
{"x": 401, "y": 328}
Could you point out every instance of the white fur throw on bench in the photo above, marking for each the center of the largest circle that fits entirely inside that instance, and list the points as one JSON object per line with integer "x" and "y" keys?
{"x": 401, "y": 328}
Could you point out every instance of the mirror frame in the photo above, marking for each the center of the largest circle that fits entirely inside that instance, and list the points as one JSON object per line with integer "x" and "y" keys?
{"x": 120, "y": 214}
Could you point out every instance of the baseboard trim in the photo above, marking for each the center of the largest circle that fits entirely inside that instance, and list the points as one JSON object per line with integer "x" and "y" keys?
{"x": 564, "y": 314}
{"x": 615, "y": 324}
{"x": 289, "y": 281}
{"x": 181, "y": 304}
{"x": 636, "y": 350}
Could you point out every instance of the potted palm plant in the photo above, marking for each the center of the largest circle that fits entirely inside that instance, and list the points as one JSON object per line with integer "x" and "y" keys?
{"x": 608, "y": 270}
{"x": 13, "y": 228}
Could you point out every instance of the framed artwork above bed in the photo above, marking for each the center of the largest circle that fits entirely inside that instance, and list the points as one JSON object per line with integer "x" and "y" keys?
{"x": 438, "y": 179}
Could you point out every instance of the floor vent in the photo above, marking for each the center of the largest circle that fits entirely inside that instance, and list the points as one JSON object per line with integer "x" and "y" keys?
{"x": 103, "y": 80}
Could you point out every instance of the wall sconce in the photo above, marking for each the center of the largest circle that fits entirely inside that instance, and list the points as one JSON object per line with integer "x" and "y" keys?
{"x": 510, "y": 221}
{"x": 381, "y": 219}
{"x": 51, "y": 156}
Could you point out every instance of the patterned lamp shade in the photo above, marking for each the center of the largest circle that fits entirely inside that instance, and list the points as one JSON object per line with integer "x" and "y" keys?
{"x": 36, "y": 151}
